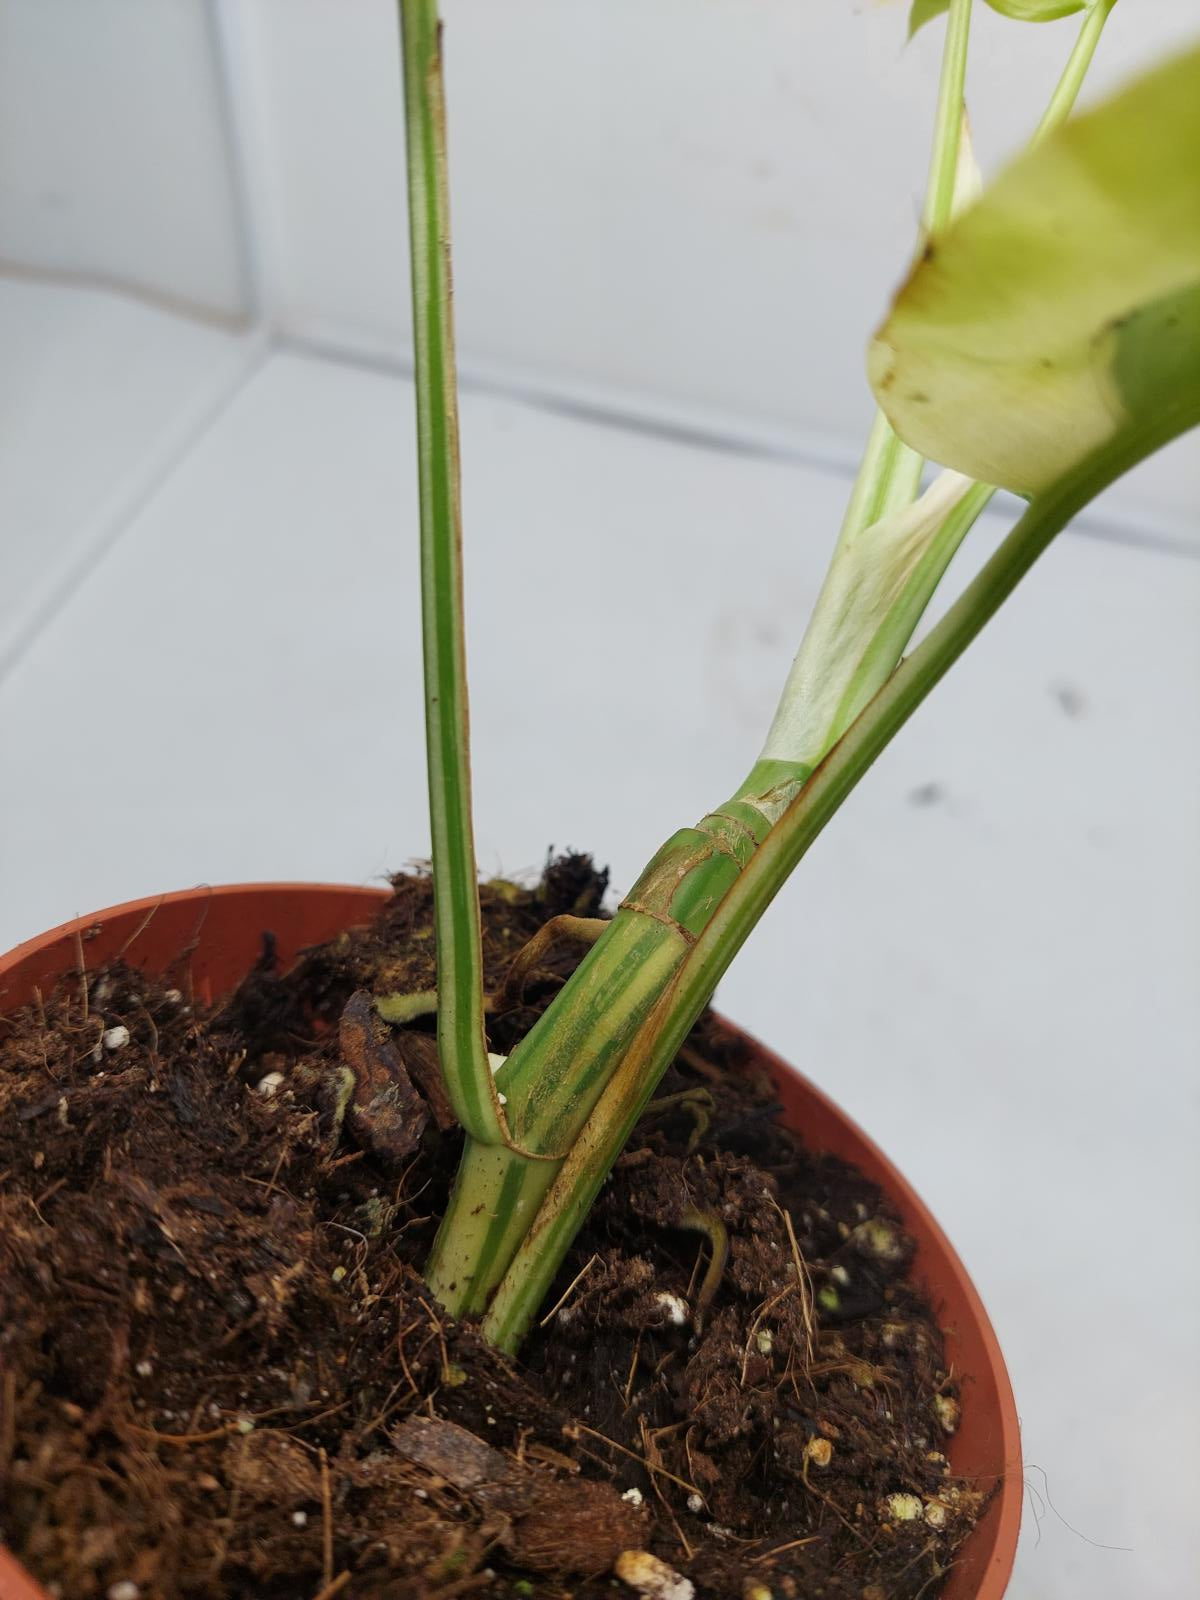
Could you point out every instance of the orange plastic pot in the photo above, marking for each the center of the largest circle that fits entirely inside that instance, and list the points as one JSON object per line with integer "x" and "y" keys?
{"x": 210, "y": 938}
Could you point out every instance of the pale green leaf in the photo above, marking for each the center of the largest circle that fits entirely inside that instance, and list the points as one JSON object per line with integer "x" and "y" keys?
{"x": 1038, "y": 10}
{"x": 923, "y": 11}
{"x": 1062, "y": 306}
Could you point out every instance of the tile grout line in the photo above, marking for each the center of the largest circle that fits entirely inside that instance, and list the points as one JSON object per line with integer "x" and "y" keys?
{"x": 95, "y": 543}
{"x": 111, "y": 525}
{"x": 239, "y": 110}
{"x": 229, "y": 60}
{"x": 820, "y": 453}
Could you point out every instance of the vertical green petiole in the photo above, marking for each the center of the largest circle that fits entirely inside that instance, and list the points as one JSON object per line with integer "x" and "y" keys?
{"x": 1062, "y": 101}
{"x": 943, "y": 164}
{"x": 461, "y": 1041}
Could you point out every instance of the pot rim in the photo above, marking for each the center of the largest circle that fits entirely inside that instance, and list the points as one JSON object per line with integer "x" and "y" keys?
{"x": 39, "y": 960}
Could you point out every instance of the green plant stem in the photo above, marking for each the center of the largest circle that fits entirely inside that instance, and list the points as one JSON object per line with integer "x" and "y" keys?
{"x": 897, "y": 627}
{"x": 578, "y": 1181}
{"x": 551, "y": 1083}
{"x": 890, "y": 474}
{"x": 888, "y": 479}
{"x": 885, "y": 474}
{"x": 943, "y": 165}
{"x": 555, "y": 1079}
{"x": 555, "y": 1076}
{"x": 1062, "y": 101}
{"x": 461, "y": 1042}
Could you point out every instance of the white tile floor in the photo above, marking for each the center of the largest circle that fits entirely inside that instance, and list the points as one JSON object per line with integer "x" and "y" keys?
{"x": 991, "y": 959}
{"x": 99, "y": 394}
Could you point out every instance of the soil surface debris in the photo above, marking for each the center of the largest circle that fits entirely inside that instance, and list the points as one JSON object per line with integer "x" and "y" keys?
{"x": 222, "y": 1376}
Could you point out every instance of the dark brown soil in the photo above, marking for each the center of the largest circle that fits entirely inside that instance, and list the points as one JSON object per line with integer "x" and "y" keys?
{"x": 221, "y": 1375}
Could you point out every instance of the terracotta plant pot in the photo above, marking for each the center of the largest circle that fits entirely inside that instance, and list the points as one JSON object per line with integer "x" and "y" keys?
{"x": 211, "y": 937}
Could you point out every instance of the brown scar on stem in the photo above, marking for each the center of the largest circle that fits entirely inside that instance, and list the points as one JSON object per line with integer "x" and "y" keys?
{"x": 659, "y": 916}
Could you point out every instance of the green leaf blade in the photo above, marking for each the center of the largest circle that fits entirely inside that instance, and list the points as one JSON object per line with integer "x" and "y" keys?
{"x": 1039, "y": 10}
{"x": 1008, "y": 352}
{"x": 923, "y": 11}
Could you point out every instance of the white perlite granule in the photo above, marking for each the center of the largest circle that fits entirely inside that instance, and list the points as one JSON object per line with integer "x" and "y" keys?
{"x": 651, "y": 1577}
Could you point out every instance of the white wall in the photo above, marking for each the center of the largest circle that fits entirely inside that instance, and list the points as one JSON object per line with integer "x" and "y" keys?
{"x": 115, "y": 161}
{"x": 125, "y": 284}
{"x": 691, "y": 210}
{"x": 694, "y": 205}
